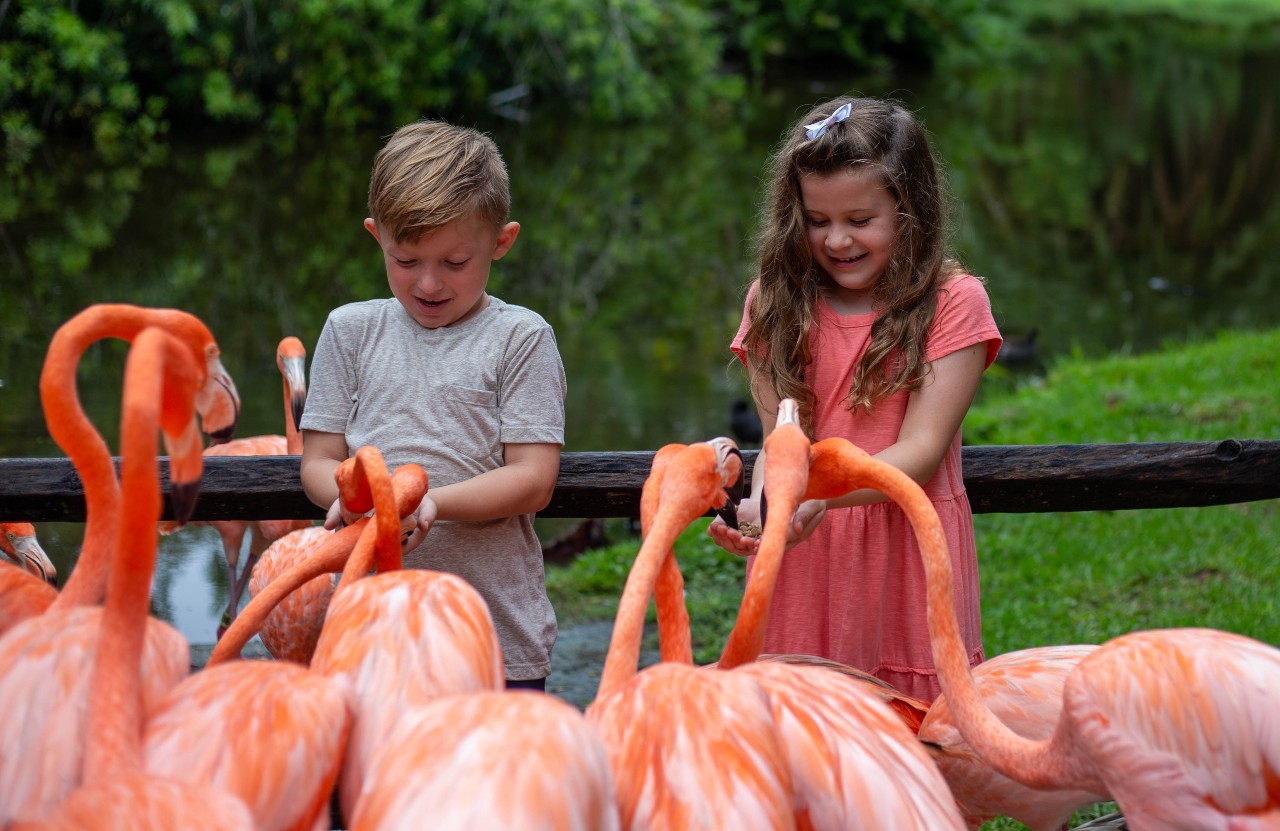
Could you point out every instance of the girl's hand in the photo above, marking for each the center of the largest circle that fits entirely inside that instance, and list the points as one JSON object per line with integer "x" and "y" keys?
{"x": 414, "y": 527}
{"x": 732, "y": 539}
{"x": 806, "y": 518}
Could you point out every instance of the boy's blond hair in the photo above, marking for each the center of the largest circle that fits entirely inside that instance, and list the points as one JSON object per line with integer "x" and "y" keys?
{"x": 430, "y": 173}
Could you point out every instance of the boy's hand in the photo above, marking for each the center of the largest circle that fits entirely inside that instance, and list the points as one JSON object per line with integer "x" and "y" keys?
{"x": 338, "y": 516}
{"x": 414, "y": 527}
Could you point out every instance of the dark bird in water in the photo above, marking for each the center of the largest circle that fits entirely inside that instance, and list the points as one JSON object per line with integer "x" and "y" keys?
{"x": 1019, "y": 350}
{"x": 745, "y": 424}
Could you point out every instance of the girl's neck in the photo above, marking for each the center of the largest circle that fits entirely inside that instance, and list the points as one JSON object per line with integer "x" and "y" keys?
{"x": 848, "y": 303}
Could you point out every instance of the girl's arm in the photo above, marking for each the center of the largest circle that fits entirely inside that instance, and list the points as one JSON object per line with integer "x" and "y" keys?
{"x": 933, "y": 416}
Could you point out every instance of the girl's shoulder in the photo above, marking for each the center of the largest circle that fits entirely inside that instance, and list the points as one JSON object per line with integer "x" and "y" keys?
{"x": 962, "y": 287}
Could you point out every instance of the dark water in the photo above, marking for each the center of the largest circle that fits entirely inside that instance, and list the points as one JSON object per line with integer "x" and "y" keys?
{"x": 1116, "y": 188}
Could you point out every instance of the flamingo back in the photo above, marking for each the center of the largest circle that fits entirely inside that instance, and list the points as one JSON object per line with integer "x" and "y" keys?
{"x": 44, "y": 675}
{"x": 694, "y": 750}
{"x": 1182, "y": 723}
{"x": 22, "y": 596}
{"x": 144, "y": 803}
{"x": 493, "y": 760}
{"x": 1024, "y": 689}
{"x": 399, "y": 640}
{"x": 854, "y": 763}
{"x": 271, "y": 733}
{"x": 291, "y": 630}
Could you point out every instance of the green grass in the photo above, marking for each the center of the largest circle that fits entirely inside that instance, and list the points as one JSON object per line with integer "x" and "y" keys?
{"x": 1065, "y": 577}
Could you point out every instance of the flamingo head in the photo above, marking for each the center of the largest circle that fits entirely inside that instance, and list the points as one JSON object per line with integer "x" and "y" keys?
{"x": 18, "y": 544}
{"x": 732, "y": 478}
{"x": 291, "y": 358}
{"x": 217, "y": 400}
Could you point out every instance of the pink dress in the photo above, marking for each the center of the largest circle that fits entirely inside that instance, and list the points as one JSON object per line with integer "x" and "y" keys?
{"x": 854, "y": 592}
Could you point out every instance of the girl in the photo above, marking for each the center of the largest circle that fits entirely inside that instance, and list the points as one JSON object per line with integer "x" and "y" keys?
{"x": 858, "y": 313}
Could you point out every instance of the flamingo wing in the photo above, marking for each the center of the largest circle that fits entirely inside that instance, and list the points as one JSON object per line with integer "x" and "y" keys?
{"x": 291, "y": 630}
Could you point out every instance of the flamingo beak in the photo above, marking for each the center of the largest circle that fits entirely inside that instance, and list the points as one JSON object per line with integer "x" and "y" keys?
{"x": 218, "y": 402}
{"x": 34, "y": 559}
{"x": 186, "y": 465}
{"x": 295, "y": 376}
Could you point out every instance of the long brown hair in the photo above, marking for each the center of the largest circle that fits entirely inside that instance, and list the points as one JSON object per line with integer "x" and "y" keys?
{"x": 884, "y": 137}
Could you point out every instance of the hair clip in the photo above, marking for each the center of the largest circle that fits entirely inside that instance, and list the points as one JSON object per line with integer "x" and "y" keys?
{"x": 817, "y": 128}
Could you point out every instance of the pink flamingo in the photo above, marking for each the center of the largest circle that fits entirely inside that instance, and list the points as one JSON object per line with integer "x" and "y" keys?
{"x": 291, "y": 360}
{"x": 44, "y": 658}
{"x": 292, "y": 629}
{"x": 27, "y": 577}
{"x": 1024, "y": 689}
{"x": 112, "y": 791}
{"x": 1174, "y": 724}
{"x": 854, "y": 761}
{"x": 20, "y": 547}
{"x": 688, "y": 748}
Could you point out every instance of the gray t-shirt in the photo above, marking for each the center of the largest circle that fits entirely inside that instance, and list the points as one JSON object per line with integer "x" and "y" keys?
{"x": 449, "y": 399}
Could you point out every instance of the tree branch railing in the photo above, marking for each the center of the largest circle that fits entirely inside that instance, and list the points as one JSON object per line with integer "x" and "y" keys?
{"x": 999, "y": 479}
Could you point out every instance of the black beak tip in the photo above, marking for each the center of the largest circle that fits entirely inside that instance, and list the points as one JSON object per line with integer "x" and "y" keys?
{"x": 182, "y": 497}
{"x": 223, "y": 436}
{"x": 297, "y": 406}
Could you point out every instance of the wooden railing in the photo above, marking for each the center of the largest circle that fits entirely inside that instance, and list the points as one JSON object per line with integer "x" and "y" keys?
{"x": 999, "y": 479}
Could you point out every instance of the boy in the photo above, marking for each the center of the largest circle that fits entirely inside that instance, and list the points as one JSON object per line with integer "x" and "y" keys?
{"x": 447, "y": 376}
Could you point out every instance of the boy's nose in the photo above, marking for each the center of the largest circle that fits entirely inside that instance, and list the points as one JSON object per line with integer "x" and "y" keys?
{"x": 428, "y": 281}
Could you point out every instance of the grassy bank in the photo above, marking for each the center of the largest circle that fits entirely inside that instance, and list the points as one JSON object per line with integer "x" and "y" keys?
{"x": 1068, "y": 577}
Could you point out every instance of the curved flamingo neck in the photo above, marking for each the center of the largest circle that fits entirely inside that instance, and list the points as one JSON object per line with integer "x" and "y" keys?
{"x": 71, "y": 429}
{"x": 675, "y": 637}
{"x": 786, "y": 472}
{"x": 114, "y": 738}
{"x": 691, "y": 486}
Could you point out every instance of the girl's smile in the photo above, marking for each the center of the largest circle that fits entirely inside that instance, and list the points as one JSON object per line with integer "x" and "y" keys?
{"x": 851, "y": 219}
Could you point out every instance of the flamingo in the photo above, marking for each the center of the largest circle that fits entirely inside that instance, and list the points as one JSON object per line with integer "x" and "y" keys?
{"x": 516, "y": 760}
{"x": 291, "y": 359}
{"x": 26, "y": 588}
{"x": 1176, "y": 725}
{"x": 44, "y": 658}
{"x": 20, "y": 547}
{"x": 112, "y": 791}
{"x": 688, "y": 748}
{"x": 291, "y": 630}
{"x": 1024, "y": 689}
{"x": 854, "y": 761}
{"x": 395, "y": 639}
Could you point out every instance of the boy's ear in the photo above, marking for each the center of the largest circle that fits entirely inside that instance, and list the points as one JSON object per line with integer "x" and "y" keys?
{"x": 372, "y": 227}
{"x": 506, "y": 238}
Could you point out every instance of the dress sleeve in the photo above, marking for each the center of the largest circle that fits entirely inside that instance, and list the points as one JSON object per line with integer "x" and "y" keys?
{"x": 736, "y": 346}
{"x": 963, "y": 319}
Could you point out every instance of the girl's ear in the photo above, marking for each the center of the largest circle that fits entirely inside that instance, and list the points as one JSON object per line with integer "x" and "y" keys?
{"x": 506, "y": 238}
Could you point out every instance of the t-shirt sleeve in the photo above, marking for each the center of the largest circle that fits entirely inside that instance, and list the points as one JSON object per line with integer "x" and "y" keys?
{"x": 963, "y": 319}
{"x": 331, "y": 385}
{"x": 533, "y": 390}
{"x": 736, "y": 345}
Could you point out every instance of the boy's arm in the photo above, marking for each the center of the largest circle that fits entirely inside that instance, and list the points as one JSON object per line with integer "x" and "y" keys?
{"x": 523, "y": 485}
{"x": 321, "y": 455}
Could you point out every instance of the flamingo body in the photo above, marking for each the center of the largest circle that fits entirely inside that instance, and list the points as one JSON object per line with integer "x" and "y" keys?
{"x": 143, "y": 803}
{"x": 291, "y": 630}
{"x": 22, "y": 596}
{"x": 492, "y": 760}
{"x": 398, "y": 640}
{"x": 44, "y": 678}
{"x": 694, "y": 750}
{"x": 1024, "y": 689}
{"x": 270, "y": 733}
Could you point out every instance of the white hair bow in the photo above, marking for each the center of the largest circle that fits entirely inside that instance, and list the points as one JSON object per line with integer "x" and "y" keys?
{"x": 817, "y": 128}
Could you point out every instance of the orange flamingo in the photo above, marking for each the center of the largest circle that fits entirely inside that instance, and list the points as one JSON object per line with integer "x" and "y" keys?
{"x": 291, "y": 360}
{"x": 26, "y": 589}
{"x": 688, "y": 748}
{"x": 854, "y": 761}
{"x": 111, "y": 790}
{"x": 20, "y": 547}
{"x": 1174, "y": 724}
{"x": 515, "y": 759}
{"x": 44, "y": 659}
{"x": 1024, "y": 689}
{"x": 291, "y": 630}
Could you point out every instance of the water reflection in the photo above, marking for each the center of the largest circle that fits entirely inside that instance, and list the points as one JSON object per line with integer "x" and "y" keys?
{"x": 1117, "y": 190}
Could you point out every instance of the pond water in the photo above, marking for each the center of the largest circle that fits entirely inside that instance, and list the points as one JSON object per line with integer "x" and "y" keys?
{"x": 1116, "y": 189}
